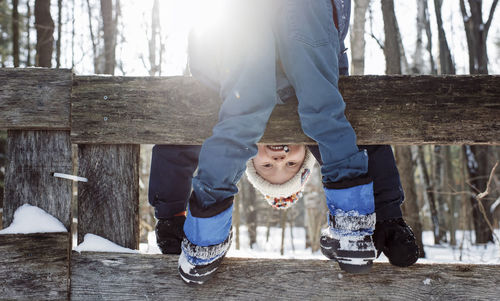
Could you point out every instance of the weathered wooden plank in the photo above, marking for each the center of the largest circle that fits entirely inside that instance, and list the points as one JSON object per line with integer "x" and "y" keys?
{"x": 34, "y": 266}
{"x": 108, "y": 204}
{"x": 154, "y": 277}
{"x": 382, "y": 109}
{"x": 32, "y": 157}
{"x": 35, "y": 98}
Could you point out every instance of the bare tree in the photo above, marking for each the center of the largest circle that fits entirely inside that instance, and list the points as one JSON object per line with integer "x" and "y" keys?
{"x": 15, "y": 32}
{"x": 59, "y": 35}
{"x": 392, "y": 51}
{"x": 437, "y": 181}
{"x": 423, "y": 25}
{"x": 28, "y": 33}
{"x": 476, "y": 31}
{"x": 109, "y": 18}
{"x": 358, "y": 37}
{"x": 93, "y": 39}
{"x": 44, "y": 33}
{"x": 156, "y": 45}
{"x": 445, "y": 59}
{"x": 429, "y": 193}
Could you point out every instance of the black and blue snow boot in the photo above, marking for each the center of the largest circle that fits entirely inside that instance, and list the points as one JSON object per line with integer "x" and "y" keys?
{"x": 169, "y": 234}
{"x": 348, "y": 238}
{"x": 207, "y": 239}
{"x": 198, "y": 264}
{"x": 396, "y": 240}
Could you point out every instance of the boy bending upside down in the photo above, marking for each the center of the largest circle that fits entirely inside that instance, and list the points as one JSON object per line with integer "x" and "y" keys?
{"x": 238, "y": 56}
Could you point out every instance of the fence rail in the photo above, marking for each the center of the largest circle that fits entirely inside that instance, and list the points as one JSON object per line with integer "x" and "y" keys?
{"x": 46, "y": 111}
{"x": 178, "y": 110}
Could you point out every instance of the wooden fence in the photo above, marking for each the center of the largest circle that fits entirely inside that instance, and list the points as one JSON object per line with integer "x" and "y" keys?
{"x": 46, "y": 111}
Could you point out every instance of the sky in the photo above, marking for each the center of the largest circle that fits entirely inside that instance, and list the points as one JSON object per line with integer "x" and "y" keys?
{"x": 178, "y": 15}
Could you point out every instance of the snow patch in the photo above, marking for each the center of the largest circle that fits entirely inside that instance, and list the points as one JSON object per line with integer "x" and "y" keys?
{"x": 94, "y": 243}
{"x": 31, "y": 219}
{"x": 427, "y": 281}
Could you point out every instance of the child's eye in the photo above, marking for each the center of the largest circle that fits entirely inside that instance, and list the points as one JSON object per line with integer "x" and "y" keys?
{"x": 268, "y": 165}
{"x": 291, "y": 164}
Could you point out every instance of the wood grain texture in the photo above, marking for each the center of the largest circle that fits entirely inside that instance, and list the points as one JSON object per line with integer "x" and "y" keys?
{"x": 35, "y": 98}
{"x": 34, "y": 266}
{"x": 382, "y": 109}
{"x": 32, "y": 157}
{"x": 104, "y": 276}
{"x": 108, "y": 204}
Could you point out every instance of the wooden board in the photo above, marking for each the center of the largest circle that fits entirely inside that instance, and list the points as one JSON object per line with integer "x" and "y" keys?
{"x": 35, "y": 98}
{"x": 382, "y": 109}
{"x": 108, "y": 204}
{"x": 33, "y": 156}
{"x": 34, "y": 266}
{"x": 104, "y": 276}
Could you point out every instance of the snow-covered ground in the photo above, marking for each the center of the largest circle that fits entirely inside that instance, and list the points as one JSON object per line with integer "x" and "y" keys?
{"x": 483, "y": 254}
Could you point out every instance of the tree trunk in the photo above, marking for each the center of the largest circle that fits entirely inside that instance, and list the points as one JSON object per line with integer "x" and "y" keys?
{"x": 477, "y": 165}
{"x": 448, "y": 183}
{"x": 476, "y": 32}
{"x": 109, "y": 29}
{"x": 392, "y": 51}
{"x": 15, "y": 32}
{"x": 445, "y": 60}
{"x": 429, "y": 37}
{"x": 93, "y": 40}
{"x": 44, "y": 33}
{"x": 154, "y": 66}
{"x": 59, "y": 35}
{"x": 283, "y": 219}
{"x": 358, "y": 37}
{"x": 423, "y": 24}
{"x": 418, "y": 57}
{"x": 315, "y": 206}
{"x": 410, "y": 206}
{"x": 437, "y": 185}
{"x": 28, "y": 34}
{"x": 428, "y": 190}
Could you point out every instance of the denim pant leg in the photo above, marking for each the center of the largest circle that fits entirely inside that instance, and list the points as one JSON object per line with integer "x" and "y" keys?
{"x": 387, "y": 187}
{"x": 248, "y": 87}
{"x": 172, "y": 168}
{"x": 307, "y": 44}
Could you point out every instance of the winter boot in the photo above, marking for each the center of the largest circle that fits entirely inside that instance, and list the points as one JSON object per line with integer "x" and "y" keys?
{"x": 169, "y": 234}
{"x": 206, "y": 242}
{"x": 396, "y": 240}
{"x": 198, "y": 264}
{"x": 348, "y": 238}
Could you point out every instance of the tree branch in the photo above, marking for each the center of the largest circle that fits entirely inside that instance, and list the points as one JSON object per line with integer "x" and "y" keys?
{"x": 490, "y": 17}
{"x": 464, "y": 11}
{"x": 481, "y": 196}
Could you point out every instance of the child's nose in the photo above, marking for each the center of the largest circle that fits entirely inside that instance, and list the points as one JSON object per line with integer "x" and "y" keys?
{"x": 279, "y": 157}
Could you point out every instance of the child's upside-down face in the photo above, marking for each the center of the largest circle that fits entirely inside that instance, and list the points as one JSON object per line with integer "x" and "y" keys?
{"x": 276, "y": 165}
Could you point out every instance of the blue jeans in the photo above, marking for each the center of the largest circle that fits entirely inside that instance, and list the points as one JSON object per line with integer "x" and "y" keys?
{"x": 302, "y": 35}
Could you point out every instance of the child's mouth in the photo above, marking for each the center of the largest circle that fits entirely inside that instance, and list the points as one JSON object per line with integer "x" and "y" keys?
{"x": 278, "y": 148}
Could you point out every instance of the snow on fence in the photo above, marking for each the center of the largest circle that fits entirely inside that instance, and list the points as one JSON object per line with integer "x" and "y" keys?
{"x": 46, "y": 111}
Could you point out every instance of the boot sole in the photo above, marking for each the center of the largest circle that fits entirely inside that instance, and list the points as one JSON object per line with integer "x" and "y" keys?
{"x": 200, "y": 274}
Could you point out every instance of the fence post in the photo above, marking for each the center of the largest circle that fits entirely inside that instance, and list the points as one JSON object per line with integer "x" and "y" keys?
{"x": 108, "y": 204}
{"x": 32, "y": 157}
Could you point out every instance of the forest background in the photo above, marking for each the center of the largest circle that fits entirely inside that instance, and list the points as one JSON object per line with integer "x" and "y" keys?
{"x": 149, "y": 38}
